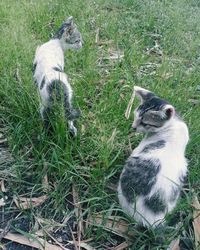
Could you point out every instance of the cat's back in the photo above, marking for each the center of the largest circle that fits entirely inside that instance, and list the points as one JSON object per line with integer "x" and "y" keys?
{"x": 49, "y": 54}
{"x": 48, "y": 57}
{"x": 169, "y": 151}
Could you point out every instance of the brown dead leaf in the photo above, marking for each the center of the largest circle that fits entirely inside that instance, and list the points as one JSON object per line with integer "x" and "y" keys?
{"x": 121, "y": 246}
{"x": 115, "y": 225}
{"x": 174, "y": 245}
{"x": 25, "y": 203}
{"x": 37, "y": 243}
{"x": 196, "y": 220}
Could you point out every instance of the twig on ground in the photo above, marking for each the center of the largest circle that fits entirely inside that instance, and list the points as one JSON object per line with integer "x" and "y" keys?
{"x": 78, "y": 212}
{"x": 74, "y": 240}
{"x": 38, "y": 243}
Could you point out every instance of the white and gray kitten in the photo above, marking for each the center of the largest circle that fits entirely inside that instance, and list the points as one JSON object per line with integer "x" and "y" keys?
{"x": 48, "y": 71}
{"x": 153, "y": 175}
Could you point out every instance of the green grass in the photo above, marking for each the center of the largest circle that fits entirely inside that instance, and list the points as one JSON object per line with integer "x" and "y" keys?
{"x": 102, "y": 90}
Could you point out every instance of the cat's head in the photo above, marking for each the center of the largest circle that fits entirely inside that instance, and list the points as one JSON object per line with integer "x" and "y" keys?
{"x": 153, "y": 113}
{"x": 69, "y": 35}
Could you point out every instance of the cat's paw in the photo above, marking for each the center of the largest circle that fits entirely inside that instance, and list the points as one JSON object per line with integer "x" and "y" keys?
{"x": 73, "y": 131}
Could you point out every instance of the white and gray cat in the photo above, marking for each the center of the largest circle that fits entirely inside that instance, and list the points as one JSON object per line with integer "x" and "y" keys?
{"x": 153, "y": 175}
{"x": 48, "y": 72}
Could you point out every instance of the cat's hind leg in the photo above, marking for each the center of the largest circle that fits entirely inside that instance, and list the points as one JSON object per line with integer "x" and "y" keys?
{"x": 71, "y": 114}
{"x": 45, "y": 107}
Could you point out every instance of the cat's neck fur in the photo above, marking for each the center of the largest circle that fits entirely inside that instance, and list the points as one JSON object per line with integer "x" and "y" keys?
{"x": 60, "y": 43}
{"x": 175, "y": 131}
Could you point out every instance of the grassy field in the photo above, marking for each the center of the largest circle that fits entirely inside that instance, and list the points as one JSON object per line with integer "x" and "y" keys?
{"x": 89, "y": 164}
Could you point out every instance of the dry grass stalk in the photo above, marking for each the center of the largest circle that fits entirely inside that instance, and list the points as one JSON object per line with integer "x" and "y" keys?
{"x": 130, "y": 104}
{"x": 196, "y": 220}
{"x": 97, "y": 36}
{"x": 2, "y": 185}
{"x": 122, "y": 246}
{"x": 116, "y": 226}
{"x": 112, "y": 187}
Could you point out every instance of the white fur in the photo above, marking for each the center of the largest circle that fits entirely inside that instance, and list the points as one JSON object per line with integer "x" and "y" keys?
{"x": 173, "y": 165}
{"x": 49, "y": 55}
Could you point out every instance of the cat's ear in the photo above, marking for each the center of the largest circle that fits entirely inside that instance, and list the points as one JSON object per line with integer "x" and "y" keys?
{"x": 69, "y": 20}
{"x": 143, "y": 94}
{"x": 69, "y": 24}
{"x": 168, "y": 110}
